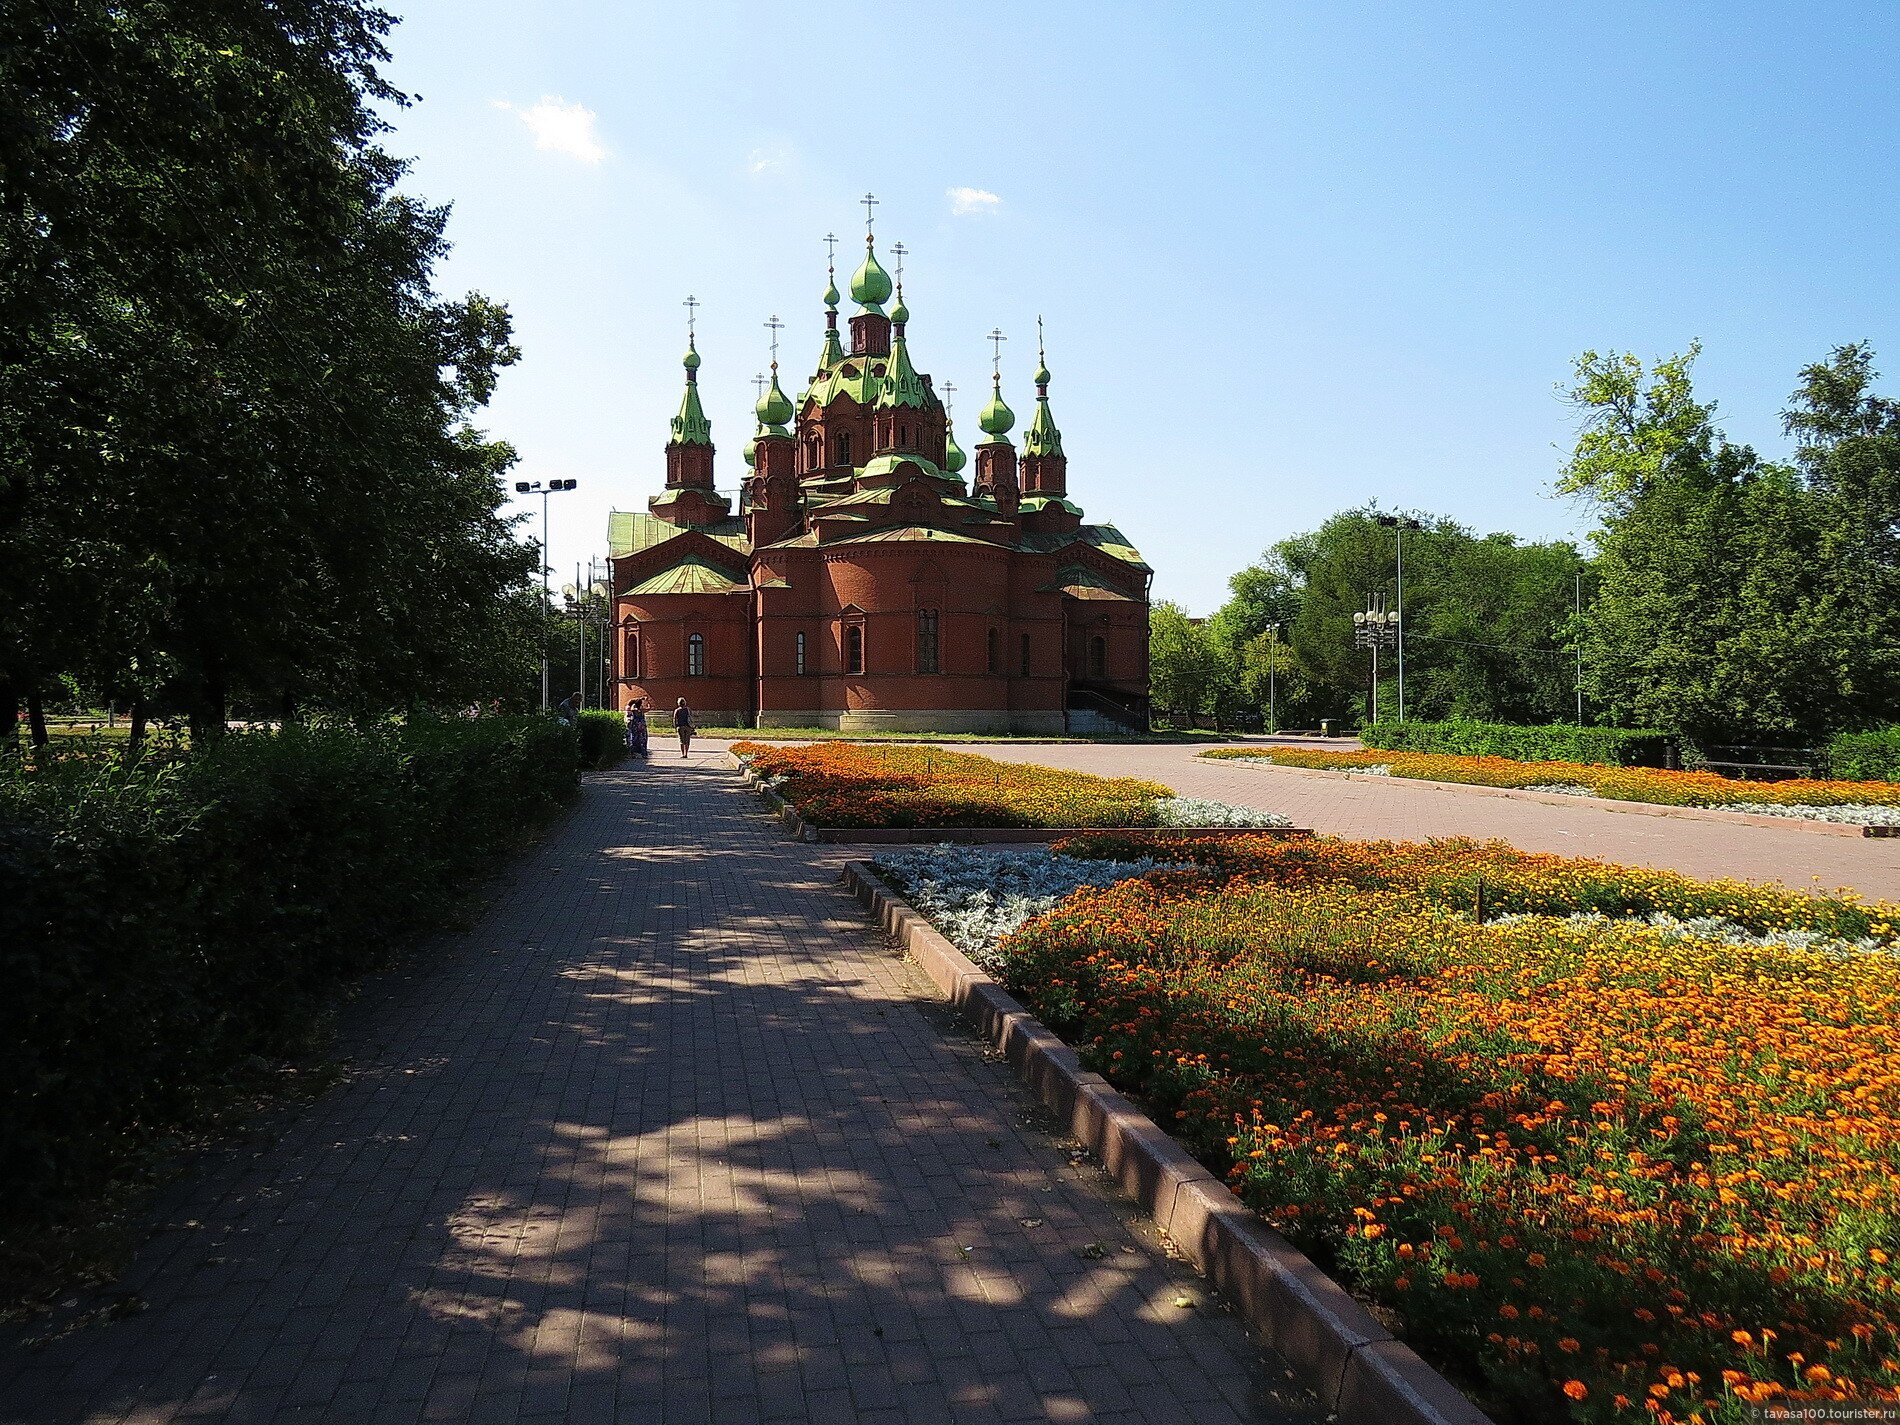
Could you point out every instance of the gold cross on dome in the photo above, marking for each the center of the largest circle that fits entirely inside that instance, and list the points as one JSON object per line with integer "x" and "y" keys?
{"x": 869, "y": 202}
{"x": 692, "y": 310}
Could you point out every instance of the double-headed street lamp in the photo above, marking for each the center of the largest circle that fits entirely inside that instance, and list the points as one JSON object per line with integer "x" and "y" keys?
{"x": 1399, "y": 524}
{"x": 544, "y": 488}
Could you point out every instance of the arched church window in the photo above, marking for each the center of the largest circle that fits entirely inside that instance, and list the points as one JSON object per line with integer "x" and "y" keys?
{"x": 696, "y": 656}
{"x": 927, "y": 641}
{"x": 798, "y": 653}
{"x": 1098, "y": 657}
{"x": 814, "y": 453}
{"x": 903, "y": 435}
{"x": 854, "y": 649}
{"x": 630, "y": 655}
{"x": 844, "y": 447}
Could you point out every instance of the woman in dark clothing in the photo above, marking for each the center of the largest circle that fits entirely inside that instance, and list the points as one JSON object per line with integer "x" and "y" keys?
{"x": 637, "y": 727}
{"x": 683, "y": 725}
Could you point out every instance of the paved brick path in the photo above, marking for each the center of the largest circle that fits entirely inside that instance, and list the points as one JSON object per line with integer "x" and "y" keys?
{"x": 1389, "y": 809}
{"x": 670, "y": 1137}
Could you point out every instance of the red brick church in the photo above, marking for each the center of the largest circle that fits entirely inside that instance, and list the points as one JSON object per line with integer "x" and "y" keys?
{"x": 862, "y": 584}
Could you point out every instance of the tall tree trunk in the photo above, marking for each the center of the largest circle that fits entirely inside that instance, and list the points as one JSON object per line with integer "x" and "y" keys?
{"x": 36, "y": 718}
{"x": 9, "y": 719}
{"x": 208, "y": 707}
{"x": 135, "y": 729}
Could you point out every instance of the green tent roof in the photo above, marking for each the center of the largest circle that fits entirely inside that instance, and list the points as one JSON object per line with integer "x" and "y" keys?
{"x": 691, "y": 575}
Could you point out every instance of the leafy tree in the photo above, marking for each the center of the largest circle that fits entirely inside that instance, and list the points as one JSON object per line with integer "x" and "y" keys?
{"x": 234, "y": 459}
{"x": 1485, "y": 622}
{"x": 1737, "y": 597}
{"x": 1183, "y": 666}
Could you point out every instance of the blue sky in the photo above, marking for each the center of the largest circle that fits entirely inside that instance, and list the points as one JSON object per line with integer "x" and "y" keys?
{"x": 1290, "y": 258}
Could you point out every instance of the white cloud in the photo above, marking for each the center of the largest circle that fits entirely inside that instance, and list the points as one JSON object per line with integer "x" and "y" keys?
{"x": 775, "y": 159}
{"x": 968, "y": 202}
{"x": 560, "y": 127}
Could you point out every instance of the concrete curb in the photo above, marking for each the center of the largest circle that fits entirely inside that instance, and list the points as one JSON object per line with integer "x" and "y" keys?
{"x": 1716, "y": 814}
{"x": 1352, "y": 1363}
{"x": 801, "y": 830}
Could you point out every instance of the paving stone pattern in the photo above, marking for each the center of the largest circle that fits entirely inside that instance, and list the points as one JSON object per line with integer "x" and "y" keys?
{"x": 1388, "y": 808}
{"x": 670, "y": 1137}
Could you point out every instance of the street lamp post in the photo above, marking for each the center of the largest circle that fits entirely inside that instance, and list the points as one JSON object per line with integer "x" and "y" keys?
{"x": 1375, "y": 629}
{"x": 544, "y": 489}
{"x": 1398, "y": 524}
{"x": 1273, "y": 668}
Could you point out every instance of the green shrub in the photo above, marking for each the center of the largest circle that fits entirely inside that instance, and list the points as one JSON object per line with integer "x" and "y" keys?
{"x": 1865, "y": 756}
{"x": 159, "y": 923}
{"x": 1605, "y": 746}
{"x": 603, "y": 738}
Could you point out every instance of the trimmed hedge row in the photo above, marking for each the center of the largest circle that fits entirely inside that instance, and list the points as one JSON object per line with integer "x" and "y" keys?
{"x": 1602, "y": 746}
{"x": 603, "y": 737}
{"x": 1866, "y": 756}
{"x": 159, "y": 923}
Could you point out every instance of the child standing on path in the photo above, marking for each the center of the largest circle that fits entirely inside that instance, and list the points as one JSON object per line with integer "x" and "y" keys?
{"x": 683, "y": 725}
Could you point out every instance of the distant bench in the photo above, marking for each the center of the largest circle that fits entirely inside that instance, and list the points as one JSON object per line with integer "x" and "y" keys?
{"x": 1741, "y": 770}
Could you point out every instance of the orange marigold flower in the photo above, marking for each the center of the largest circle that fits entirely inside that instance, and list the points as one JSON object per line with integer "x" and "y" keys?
{"x": 1576, "y": 1390}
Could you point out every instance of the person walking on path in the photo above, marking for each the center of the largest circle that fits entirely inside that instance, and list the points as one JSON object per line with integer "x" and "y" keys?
{"x": 637, "y": 727}
{"x": 568, "y": 710}
{"x": 683, "y": 725}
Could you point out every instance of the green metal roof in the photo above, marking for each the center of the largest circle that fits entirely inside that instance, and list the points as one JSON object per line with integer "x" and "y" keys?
{"x": 691, "y": 575}
{"x": 953, "y": 457}
{"x": 870, "y": 284}
{"x": 1080, "y": 582}
{"x": 1032, "y": 503}
{"x": 909, "y": 534}
{"x": 997, "y": 417}
{"x": 690, "y": 426}
{"x": 1104, "y": 537}
{"x": 903, "y": 387}
{"x": 774, "y": 408}
{"x": 859, "y": 377}
{"x": 1042, "y": 437}
{"x": 629, "y": 532}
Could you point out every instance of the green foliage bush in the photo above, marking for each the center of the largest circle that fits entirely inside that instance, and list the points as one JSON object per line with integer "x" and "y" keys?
{"x": 1604, "y": 746}
{"x": 1865, "y": 756}
{"x": 603, "y": 737}
{"x": 159, "y": 923}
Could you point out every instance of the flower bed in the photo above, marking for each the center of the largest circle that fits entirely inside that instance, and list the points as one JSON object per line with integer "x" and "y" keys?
{"x": 1631, "y": 784}
{"x": 847, "y": 785}
{"x": 1627, "y": 1147}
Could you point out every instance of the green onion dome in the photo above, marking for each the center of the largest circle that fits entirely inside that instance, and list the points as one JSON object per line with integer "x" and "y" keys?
{"x": 691, "y": 360}
{"x": 900, "y": 313}
{"x": 831, "y": 294}
{"x": 751, "y": 450}
{"x": 870, "y": 284}
{"x": 953, "y": 457}
{"x": 775, "y": 407}
{"x": 997, "y": 417}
